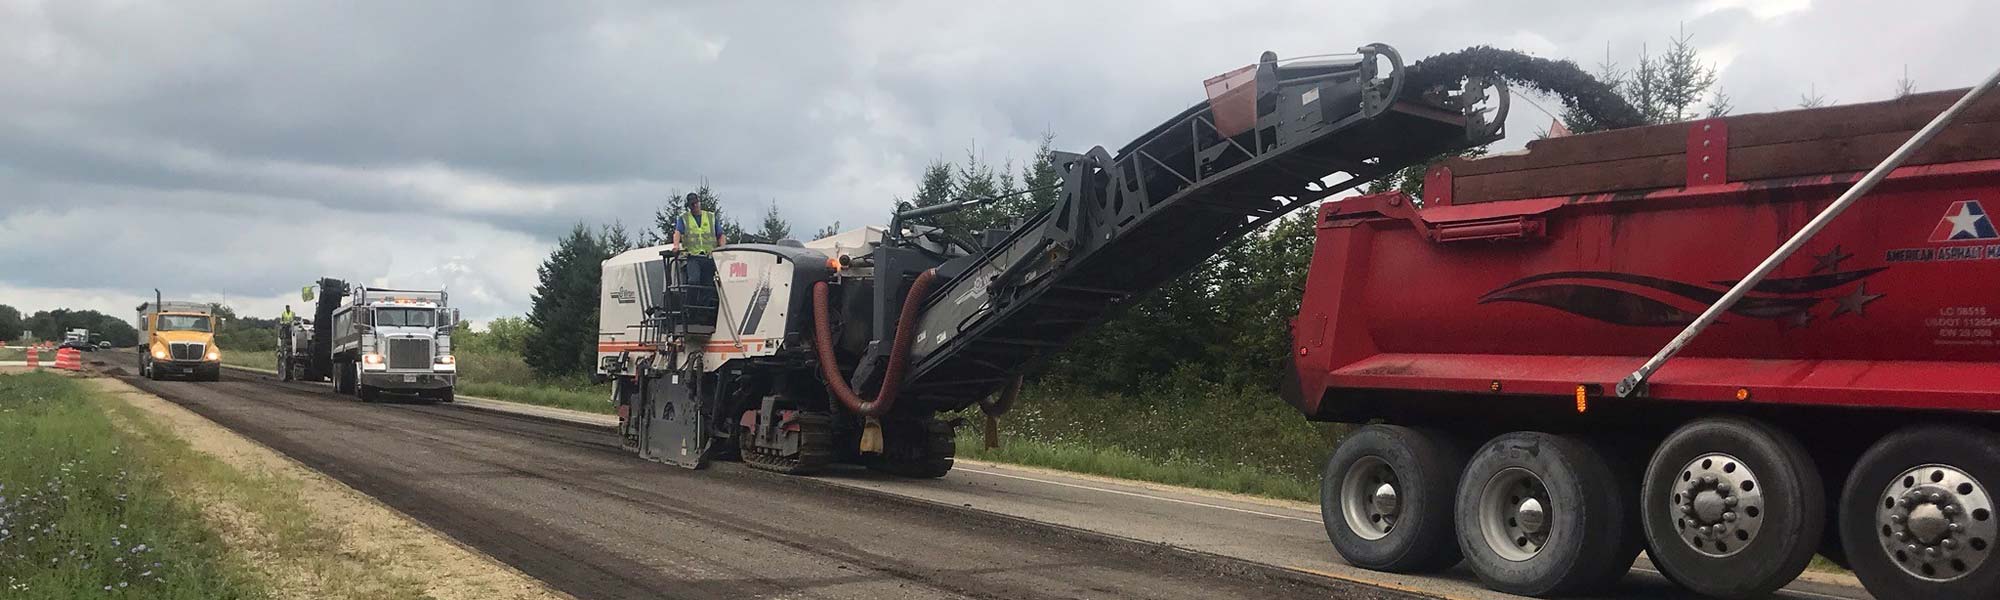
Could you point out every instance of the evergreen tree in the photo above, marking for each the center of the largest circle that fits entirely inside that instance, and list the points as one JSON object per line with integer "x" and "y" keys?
{"x": 1812, "y": 98}
{"x": 775, "y": 227}
{"x": 1041, "y": 176}
{"x": 828, "y": 231}
{"x": 615, "y": 239}
{"x": 1672, "y": 87}
{"x": 563, "y": 313}
{"x": 668, "y": 214}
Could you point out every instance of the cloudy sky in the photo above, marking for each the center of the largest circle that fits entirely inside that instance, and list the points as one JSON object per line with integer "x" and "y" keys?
{"x": 233, "y": 151}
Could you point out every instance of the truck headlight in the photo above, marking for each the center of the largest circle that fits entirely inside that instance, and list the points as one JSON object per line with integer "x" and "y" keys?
{"x": 214, "y": 355}
{"x": 445, "y": 364}
{"x": 158, "y": 353}
{"x": 447, "y": 360}
{"x": 373, "y": 362}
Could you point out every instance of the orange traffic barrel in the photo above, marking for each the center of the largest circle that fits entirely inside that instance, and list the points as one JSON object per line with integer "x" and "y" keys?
{"x": 69, "y": 359}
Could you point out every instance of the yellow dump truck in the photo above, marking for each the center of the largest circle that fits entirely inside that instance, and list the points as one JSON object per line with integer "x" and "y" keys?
{"x": 178, "y": 338}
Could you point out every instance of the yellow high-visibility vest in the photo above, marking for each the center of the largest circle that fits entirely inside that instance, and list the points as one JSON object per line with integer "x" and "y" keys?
{"x": 700, "y": 237}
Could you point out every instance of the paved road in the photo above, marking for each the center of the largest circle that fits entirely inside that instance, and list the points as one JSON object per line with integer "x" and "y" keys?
{"x": 564, "y": 504}
{"x": 1283, "y": 535}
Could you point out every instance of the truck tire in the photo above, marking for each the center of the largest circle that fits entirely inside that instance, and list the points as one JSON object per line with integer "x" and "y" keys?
{"x": 1732, "y": 507}
{"x": 1386, "y": 498}
{"x": 1540, "y": 514}
{"x": 343, "y": 378}
{"x": 1917, "y": 515}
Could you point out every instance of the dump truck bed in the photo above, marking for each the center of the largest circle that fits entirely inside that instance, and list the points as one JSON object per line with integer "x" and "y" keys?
{"x": 1568, "y": 264}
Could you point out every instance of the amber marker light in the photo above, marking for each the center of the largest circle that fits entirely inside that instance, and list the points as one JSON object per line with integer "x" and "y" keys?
{"x": 1582, "y": 399}
{"x": 1742, "y": 393}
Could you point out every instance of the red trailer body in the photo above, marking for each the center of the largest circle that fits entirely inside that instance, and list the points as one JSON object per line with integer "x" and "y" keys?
{"x": 1848, "y": 405}
{"x": 1895, "y": 305}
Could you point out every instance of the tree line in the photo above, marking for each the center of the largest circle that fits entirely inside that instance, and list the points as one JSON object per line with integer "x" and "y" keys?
{"x": 1226, "y": 320}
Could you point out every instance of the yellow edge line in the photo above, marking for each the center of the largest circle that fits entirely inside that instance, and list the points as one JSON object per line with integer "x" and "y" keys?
{"x": 1374, "y": 583}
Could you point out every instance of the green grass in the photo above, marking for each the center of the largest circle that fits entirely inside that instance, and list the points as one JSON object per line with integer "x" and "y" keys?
{"x": 48, "y": 357}
{"x": 596, "y": 399}
{"x": 85, "y": 513}
{"x": 256, "y": 360}
{"x": 1181, "y": 431}
{"x": 1124, "y": 464}
{"x": 492, "y": 375}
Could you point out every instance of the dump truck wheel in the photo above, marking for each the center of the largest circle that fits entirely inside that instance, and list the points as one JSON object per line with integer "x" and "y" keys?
{"x": 343, "y": 379}
{"x": 1386, "y": 498}
{"x": 1917, "y": 515}
{"x": 1541, "y": 514}
{"x": 1732, "y": 507}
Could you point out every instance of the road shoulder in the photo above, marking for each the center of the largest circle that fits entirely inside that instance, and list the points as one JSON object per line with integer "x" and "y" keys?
{"x": 272, "y": 507}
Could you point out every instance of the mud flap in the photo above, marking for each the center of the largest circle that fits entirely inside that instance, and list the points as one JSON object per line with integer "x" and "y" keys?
{"x": 675, "y": 428}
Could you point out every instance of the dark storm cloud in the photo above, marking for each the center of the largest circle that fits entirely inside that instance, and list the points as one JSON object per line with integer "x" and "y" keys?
{"x": 455, "y": 140}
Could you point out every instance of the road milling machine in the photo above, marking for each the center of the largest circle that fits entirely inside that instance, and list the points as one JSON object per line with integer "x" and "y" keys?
{"x": 794, "y": 356}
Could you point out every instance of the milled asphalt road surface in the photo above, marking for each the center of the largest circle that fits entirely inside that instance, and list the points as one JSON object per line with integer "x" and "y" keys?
{"x": 564, "y": 504}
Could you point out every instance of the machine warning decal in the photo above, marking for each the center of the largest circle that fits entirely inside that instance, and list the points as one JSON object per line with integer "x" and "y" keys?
{"x": 1965, "y": 221}
{"x": 1644, "y": 301}
{"x": 624, "y": 295}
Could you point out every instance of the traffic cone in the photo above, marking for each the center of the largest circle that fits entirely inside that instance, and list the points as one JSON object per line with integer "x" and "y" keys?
{"x": 69, "y": 359}
{"x": 34, "y": 357}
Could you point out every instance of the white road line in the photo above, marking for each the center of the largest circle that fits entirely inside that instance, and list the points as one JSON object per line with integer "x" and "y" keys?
{"x": 1139, "y": 495}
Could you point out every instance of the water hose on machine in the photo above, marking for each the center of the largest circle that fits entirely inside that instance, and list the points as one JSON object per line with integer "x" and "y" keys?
{"x": 899, "y": 354}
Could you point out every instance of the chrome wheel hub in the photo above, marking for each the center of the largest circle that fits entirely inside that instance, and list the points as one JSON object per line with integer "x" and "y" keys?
{"x": 1514, "y": 514}
{"x": 1937, "y": 522}
{"x": 1370, "y": 500}
{"x": 1718, "y": 505}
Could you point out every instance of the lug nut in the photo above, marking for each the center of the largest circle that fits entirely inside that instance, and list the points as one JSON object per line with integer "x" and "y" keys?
{"x": 1729, "y": 516}
{"x": 1902, "y": 536}
{"x": 1950, "y": 509}
{"x": 1931, "y": 552}
{"x": 1955, "y": 528}
{"x": 1912, "y": 548}
{"x": 1936, "y": 497}
{"x": 1897, "y": 519}
{"x": 1950, "y": 544}
{"x": 1708, "y": 479}
{"x": 1903, "y": 503}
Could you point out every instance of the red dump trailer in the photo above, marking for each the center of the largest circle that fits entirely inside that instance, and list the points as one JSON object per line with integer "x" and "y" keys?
{"x": 1845, "y": 406}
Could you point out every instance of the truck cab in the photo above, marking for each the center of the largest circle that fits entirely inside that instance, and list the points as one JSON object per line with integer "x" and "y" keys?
{"x": 178, "y": 339}
{"x": 394, "y": 342}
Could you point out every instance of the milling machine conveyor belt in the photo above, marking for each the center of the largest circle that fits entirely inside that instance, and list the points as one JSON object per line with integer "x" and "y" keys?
{"x": 1272, "y": 137}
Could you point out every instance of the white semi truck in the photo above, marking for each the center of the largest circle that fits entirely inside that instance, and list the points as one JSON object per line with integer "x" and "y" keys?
{"x": 374, "y": 342}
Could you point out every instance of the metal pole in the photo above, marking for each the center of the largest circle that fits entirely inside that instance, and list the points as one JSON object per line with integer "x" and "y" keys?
{"x": 1634, "y": 383}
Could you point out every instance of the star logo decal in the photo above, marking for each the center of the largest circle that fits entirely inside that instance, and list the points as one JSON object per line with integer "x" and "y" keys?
{"x": 1830, "y": 261}
{"x": 1798, "y": 320}
{"x": 1853, "y": 303}
{"x": 1965, "y": 220}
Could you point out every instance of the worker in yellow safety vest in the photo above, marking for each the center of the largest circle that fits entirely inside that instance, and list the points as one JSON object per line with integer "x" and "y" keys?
{"x": 695, "y": 233}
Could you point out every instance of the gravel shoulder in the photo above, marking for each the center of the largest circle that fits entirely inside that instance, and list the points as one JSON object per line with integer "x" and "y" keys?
{"x": 309, "y": 535}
